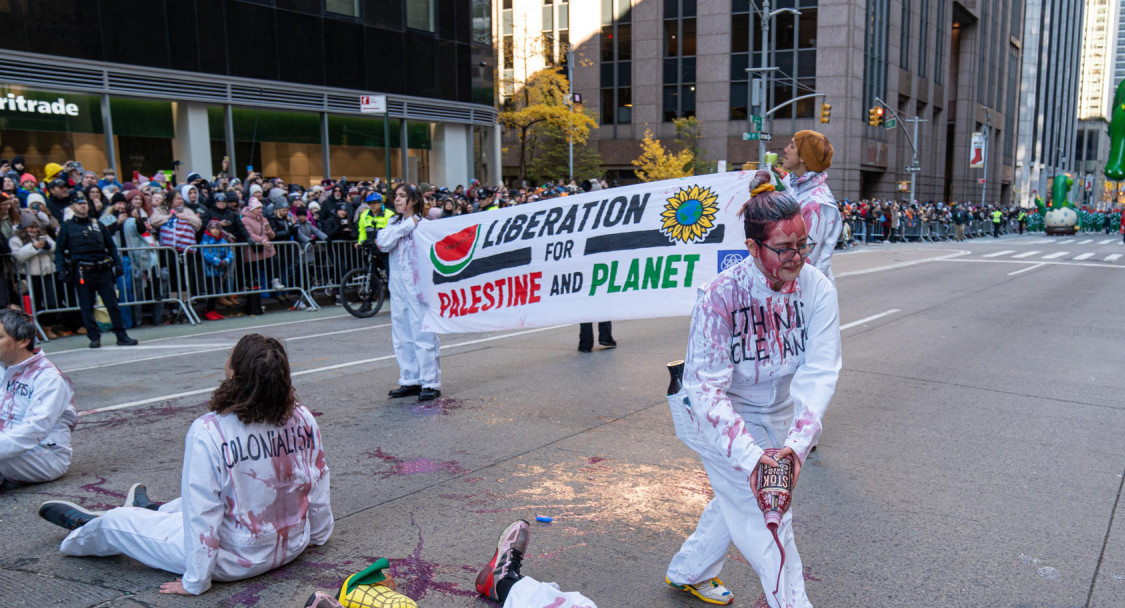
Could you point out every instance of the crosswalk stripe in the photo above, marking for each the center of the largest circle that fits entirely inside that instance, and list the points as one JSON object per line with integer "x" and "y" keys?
{"x": 998, "y": 253}
{"x": 1057, "y": 254}
{"x": 1084, "y": 256}
{"x": 1063, "y": 241}
{"x": 1105, "y": 242}
{"x": 1113, "y": 257}
{"x": 1087, "y": 241}
{"x": 1026, "y": 254}
{"x": 1043, "y": 242}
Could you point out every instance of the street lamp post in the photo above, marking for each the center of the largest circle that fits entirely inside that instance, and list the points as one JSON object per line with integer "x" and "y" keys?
{"x": 914, "y": 167}
{"x": 987, "y": 131}
{"x": 570, "y": 102}
{"x": 766, "y": 96}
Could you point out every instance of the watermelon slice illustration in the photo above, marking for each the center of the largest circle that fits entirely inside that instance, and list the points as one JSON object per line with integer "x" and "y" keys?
{"x": 451, "y": 254}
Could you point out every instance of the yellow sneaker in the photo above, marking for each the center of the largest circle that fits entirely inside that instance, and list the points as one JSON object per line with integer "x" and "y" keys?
{"x": 711, "y": 591}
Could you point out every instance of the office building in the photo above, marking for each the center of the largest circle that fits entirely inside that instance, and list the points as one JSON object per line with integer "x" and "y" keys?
{"x": 272, "y": 84}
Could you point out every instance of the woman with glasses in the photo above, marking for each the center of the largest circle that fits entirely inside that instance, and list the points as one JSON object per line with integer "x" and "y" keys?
{"x": 762, "y": 362}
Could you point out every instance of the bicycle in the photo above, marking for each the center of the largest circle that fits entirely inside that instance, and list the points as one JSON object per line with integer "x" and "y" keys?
{"x": 362, "y": 290}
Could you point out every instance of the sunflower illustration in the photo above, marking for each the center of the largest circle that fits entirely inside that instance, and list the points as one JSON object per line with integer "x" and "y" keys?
{"x": 689, "y": 214}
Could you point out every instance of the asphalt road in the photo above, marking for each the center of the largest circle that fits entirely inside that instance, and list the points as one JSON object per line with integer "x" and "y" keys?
{"x": 971, "y": 457}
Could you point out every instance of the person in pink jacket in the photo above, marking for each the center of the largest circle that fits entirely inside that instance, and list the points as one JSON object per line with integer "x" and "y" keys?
{"x": 255, "y": 268}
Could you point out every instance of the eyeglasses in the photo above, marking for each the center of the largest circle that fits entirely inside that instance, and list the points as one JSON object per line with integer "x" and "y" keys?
{"x": 786, "y": 254}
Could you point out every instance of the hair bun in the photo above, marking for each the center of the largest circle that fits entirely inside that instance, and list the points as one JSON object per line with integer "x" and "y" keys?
{"x": 761, "y": 176}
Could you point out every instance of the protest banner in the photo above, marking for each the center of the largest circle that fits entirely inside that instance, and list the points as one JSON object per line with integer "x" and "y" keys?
{"x": 632, "y": 252}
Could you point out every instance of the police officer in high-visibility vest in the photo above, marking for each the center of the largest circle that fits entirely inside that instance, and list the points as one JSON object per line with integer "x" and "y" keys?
{"x": 997, "y": 218}
{"x": 87, "y": 259}
{"x": 1022, "y": 219}
{"x": 371, "y": 221}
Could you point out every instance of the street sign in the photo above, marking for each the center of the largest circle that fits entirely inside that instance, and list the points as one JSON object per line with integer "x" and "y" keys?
{"x": 980, "y": 181}
{"x": 912, "y": 169}
{"x": 757, "y": 120}
{"x": 373, "y": 104}
{"x": 766, "y": 136}
{"x": 890, "y": 123}
{"x": 750, "y": 136}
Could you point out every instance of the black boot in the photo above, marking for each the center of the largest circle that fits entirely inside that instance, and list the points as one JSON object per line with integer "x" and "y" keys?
{"x": 406, "y": 391}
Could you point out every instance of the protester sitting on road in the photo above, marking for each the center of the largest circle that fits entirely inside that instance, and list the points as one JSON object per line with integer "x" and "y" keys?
{"x": 37, "y": 412}
{"x": 417, "y": 351}
{"x": 501, "y": 580}
{"x": 256, "y": 486}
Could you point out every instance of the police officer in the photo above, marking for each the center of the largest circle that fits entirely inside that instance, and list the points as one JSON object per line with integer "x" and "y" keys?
{"x": 997, "y": 219}
{"x": 88, "y": 260}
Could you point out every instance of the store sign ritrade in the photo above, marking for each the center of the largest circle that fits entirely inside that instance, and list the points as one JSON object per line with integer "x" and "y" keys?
{"x": 19, "y": 103}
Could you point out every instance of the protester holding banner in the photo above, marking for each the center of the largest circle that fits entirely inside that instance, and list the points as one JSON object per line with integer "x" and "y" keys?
{"x": 807, "y": 159}
{"x": 762, "y": 362}
{"x": 417, "y": 351}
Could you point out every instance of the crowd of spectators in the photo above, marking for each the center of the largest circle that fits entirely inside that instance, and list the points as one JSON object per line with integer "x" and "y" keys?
{"x": 142, "y": 211}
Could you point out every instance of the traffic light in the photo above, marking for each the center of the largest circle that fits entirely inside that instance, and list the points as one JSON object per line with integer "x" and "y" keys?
{"x": 825, "y": 112}
{"x": 874, "y": 116}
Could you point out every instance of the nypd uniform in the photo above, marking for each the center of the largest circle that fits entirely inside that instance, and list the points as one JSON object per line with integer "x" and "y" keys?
{"x": 87, "y": 259}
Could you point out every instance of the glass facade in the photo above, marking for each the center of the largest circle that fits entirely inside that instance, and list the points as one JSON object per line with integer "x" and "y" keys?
{"x": 617, "y": 62}
{"x": 276, "y": 144}
{"x": 794, "y": 55}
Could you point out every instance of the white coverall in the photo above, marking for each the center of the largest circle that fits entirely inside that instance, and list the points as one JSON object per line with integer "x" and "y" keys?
{"x": 417, "y": 351}
{"x": 822, "y": 217}
{"x": 530, "y": 593}
{"x": 253, "y": 496}
{"x": 36, "y": 417}
{"x": 761, "y": 367}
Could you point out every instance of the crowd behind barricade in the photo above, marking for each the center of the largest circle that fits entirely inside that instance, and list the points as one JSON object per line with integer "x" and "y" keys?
{"x": 222, "y": 243}
{"x": 889, "y": 221}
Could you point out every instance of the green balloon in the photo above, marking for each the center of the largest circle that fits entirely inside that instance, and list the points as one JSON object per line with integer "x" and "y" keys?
{"x": 1115, "y": 165}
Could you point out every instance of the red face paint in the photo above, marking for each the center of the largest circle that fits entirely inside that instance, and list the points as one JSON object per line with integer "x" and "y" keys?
{"x": 789, "y": 233}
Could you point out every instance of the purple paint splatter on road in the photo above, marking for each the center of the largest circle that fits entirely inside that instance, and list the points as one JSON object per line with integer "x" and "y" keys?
{"x": 437, "y": 407}
{"x": 249, "y": 595}
{"x": 97, "y": 488}
{"x": 416, "y": 466}
{"x": 415, "y": 575}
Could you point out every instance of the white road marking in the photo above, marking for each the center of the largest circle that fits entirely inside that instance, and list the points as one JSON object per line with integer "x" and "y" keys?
{"x": 121, "y": 406}
{"x": 1026, "y": 254}
{"x": 1105, "y": 242}
{"x": 904, "y": 264}
{"x": 1113, "y": 257}
{"x": 1033, "y": 267}
{"x": 869, "y": 319}
{"x": 1086, "y": 242}
{"x": 1057, "y": 254}
{"x": 1043, "y": 242}
{"x": 1084, "y": 256}
{"x": 998, "y": 253}
{"x": 208, "y": 350}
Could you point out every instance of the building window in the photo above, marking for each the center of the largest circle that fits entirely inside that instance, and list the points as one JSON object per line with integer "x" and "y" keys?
{"x": 794, "y": 55}
{"x": 923, "y": 37}
{"x": 348, "y": 8}
{"x": 904, "y": 46}
{"x": 555, "y": 41}
{"x": 420, "y": 15}
{"x": 616, "y": 63}
{"x": 875, "y": 53}
{"x": 482, "y": 21}
{"x": 679, "y": 59}
{"x": 939, "y": 55}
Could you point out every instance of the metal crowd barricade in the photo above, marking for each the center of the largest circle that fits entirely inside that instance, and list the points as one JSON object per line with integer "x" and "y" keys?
{"x": 326, "y": 263}
{"x": 206, "y": 276}
{"x": 148, "y": 281}
{"x": 911, "y": 230}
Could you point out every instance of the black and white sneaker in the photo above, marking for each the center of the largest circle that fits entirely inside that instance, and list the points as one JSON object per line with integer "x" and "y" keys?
{"x": 66, "y": 514}
{"x": 138, "y": 497}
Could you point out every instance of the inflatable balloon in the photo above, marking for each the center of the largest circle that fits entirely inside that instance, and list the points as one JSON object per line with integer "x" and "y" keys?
{"x": 1062, "y": 216}
{"x": 1115, "y": 165}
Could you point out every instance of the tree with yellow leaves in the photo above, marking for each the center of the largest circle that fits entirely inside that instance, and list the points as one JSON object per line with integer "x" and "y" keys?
{"x": 656, "y": 163}
{"x": 542, "y": 101}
